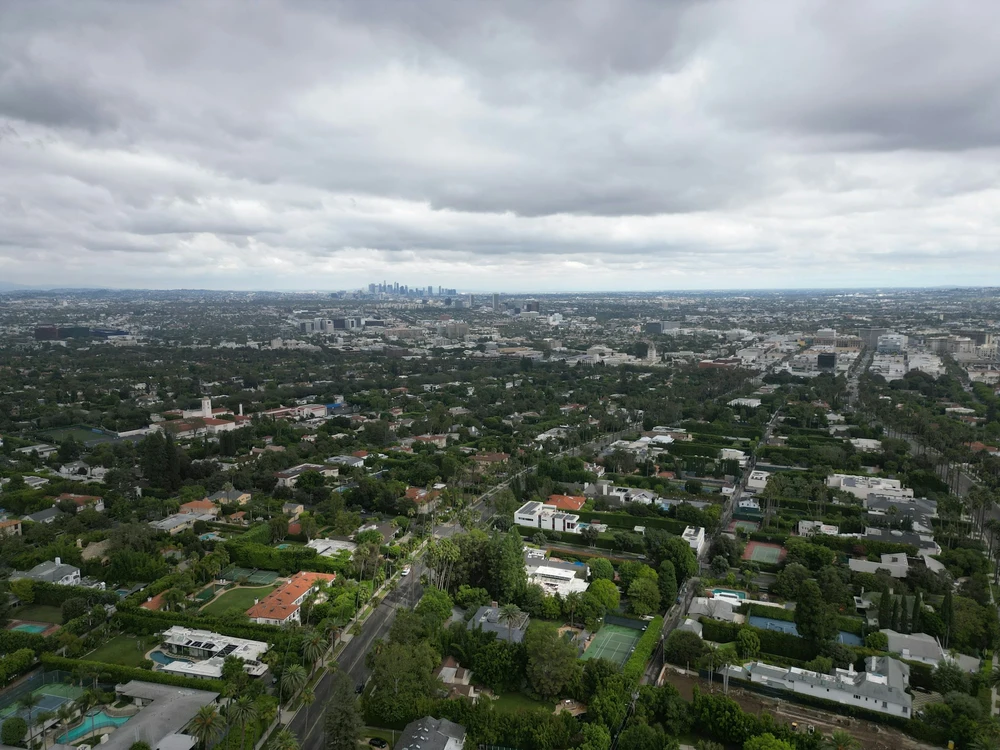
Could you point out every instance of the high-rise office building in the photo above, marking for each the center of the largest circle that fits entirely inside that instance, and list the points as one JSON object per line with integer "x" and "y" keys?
{"x": 496, "y": 301}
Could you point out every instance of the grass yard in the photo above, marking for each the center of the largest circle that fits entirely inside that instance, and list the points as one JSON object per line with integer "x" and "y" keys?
{"x": 127, "y": 650}
{"x": 241, "y": 598}
{"x": 520, "y": 702}
{"x": 38, "y": 613}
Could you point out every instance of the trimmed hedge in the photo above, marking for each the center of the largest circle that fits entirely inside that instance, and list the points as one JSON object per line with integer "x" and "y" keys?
{"x": 636, "y": 664}
{"x": 53, "y": 595}
{"x": 628, "y": 522}
{"x": 15, "y": 640}
{"x": 124, "y": 674}
{"x": 771, "y": 641}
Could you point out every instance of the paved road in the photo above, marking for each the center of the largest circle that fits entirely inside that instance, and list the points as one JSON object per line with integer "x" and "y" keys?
{"x": 352, "y": 658}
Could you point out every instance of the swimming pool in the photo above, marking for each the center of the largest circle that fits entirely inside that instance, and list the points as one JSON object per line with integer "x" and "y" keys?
{"x": 91, "y": 722}
{"x": 737, "y": 594}
{"x": 29, "y": 627}
{"x": 769, "y": 623}
{"x": 161, "y": 658}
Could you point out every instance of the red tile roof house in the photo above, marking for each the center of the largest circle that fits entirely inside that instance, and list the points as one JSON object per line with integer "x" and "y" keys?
{"x": 200, "y": 507}
{"x": 82, "y": 501}
{"x": 425, "y": 500}
{"x": 281, "y": 606}
{"x": 567, "y": 502}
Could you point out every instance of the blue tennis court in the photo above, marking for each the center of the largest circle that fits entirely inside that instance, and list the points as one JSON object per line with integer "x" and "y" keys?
{"x": 783, "y": 626}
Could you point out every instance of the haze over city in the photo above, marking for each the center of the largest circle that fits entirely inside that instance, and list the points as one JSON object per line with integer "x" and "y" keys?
{"x": 586, "y": 146}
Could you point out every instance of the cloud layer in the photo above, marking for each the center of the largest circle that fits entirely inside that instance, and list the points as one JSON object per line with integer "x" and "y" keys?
{"x": 517, "y": 146}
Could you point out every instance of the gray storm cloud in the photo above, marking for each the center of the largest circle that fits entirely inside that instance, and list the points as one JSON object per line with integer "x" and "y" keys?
{"x": 580, "y": 145}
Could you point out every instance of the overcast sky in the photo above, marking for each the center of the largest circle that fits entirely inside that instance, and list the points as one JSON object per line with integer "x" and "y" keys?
{"x": 508, "y": 145}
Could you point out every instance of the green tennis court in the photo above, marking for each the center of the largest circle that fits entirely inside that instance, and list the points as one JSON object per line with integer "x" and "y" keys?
{"x": 614, "y": 643}
{"x": 257, "y": 577}
{"x": 764, "y": 553}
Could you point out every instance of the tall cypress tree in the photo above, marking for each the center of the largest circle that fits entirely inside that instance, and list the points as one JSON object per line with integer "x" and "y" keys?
{"x": 885, "y": 609}
{"x": 948, "y": 616}
{"x": 917, "y": 615}
{"x": 895, "y": 613}
{"x": 904, "y": 616}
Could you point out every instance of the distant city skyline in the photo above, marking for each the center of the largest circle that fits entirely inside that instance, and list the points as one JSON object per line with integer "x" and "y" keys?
{"x": 600, "y": 146}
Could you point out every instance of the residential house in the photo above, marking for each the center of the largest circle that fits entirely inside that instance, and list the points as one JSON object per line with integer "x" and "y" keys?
{"x": 281, "y": 606}
{"x": 547, "y": 517}
{"x": 82, "y": 502}
{"x": 441, "y": 441}
{"x": 757, "y": 480}
{"x": 880, "y": 688}
{"x": 57, "y": 572}
{"x": 424, "y": 500}
{"x": 567, "y": 502}
{"x": 230, "y": 497}
{"x": 457, "y": 679}
{"x": 11, "y": 527}
{"x": 429, "y": 733}
{"x": 289, "y": 477}
{"x": 896, "y": 564}
{"x": 164, "y": 711}
{"x": 293, "y": 511}
{"x": 695, "y": 538}
{"x": 350, "y": 462}
{"x": 200, "y": 508}
{"x": 487, "y": 618}
{"x": 716, "y": 609}
{"x": 42, "y": 449}
{"x": 863, "y": 486}
{"x": 214, "y": 649}
{"x": 553, "y": 575}
{"x": 176, "y": 523}
{"x": 49, "y": 515}
{"x": 926, "y": 649}
{"x": 809, "y": 528}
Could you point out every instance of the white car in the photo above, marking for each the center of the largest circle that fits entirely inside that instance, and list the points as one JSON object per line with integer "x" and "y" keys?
{"x": 405, "y": 571}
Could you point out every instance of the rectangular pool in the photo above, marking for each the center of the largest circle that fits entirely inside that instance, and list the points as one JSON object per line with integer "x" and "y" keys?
{"x": 30, "y": 627}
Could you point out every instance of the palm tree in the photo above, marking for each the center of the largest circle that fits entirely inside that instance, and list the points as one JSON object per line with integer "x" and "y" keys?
{"x": 840, "y": 740}
{"x": 313, "y": 648}
{"x": 229, "y": 691}
{"x": 173, "y": 598}
{"x": 28, "y": 703}
{"x": 509, "y": 614}
{"x": 293, "y": 678}
{"x": 284, "y": 740}
{"x": 207, "y": 725}
{"x": 308, "y": 697}
{"x": 43, "y": 717}
{"x": 65, "y": 715}
{"x": 243, "y": 712}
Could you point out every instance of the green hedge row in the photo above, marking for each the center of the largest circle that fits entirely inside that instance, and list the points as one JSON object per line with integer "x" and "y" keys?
{"x": 15, "y": 640}
{"x": 636, "y": 664}
{"x": 53, "y": 595}
{"x": 565, "y": 537}
{"x": 121, "y": 674}
{"x": 263, "y": 557}
{"x": 628, "y": 522}
{"x": 15, "y": 664}
{"x": 771, "y": 641}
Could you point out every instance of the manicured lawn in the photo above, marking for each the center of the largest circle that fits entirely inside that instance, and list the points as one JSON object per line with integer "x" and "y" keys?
{"x": 241, "y": 598}
{"x": 127, "y": 650}
{"x": 37, "y": 613}
{"x": 520, "y": 702}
